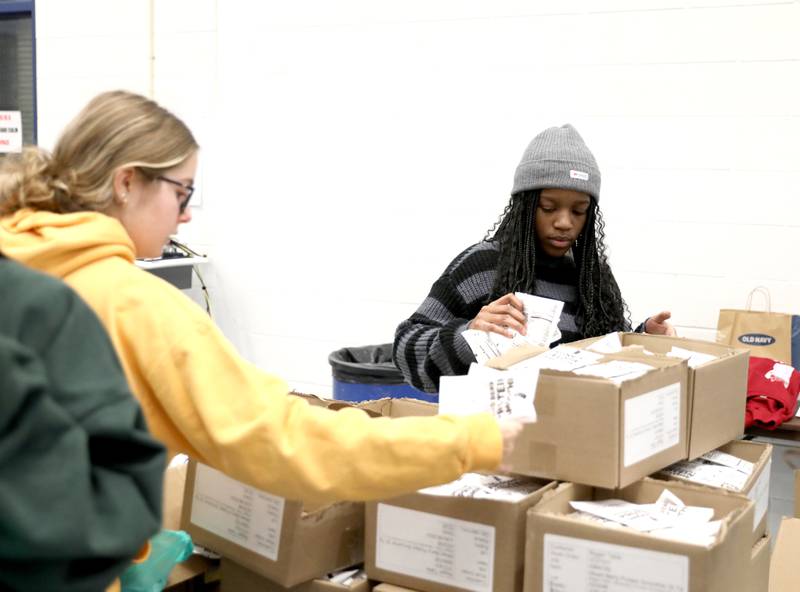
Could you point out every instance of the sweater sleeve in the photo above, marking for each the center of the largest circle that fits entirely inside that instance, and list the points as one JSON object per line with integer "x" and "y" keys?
{"x": 429, "y": 344}
{"x": 217, "y": 407}
{"x": 80, "y": 477}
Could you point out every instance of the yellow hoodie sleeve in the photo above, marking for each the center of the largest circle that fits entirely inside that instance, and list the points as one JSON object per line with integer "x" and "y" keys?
{"x": 202, "y": 398}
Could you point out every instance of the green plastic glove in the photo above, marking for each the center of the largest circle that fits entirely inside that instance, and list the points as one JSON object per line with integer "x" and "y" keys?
{"x": 168, "y": 548}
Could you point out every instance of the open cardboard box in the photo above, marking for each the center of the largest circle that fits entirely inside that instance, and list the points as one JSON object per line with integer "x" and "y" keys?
{"x": 567, "y": 553}
{"x": 717, "y": 390}
{"x": 757, "y": 485}
{"x": 436, "y": 543}
{"x": 591, "y": 430}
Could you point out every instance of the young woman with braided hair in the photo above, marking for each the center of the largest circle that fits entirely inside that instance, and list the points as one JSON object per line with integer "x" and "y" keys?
{"x": 549, "y": 241}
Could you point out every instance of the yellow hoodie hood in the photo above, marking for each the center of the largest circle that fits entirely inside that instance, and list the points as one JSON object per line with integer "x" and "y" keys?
{"x": 62, "y": 244}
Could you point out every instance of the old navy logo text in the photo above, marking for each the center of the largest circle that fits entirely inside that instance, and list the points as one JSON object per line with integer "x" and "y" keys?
{"x": 756, "y": 339}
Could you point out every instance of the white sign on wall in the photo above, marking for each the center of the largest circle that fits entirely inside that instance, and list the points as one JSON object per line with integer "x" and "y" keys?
{"x": 10, "y": 131}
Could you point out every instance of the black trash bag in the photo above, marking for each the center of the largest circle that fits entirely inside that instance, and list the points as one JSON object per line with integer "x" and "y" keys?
{"x": 368, "y": 364}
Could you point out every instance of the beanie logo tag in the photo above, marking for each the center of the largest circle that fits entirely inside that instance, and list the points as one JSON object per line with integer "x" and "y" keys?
{"x": 579, "y": 175}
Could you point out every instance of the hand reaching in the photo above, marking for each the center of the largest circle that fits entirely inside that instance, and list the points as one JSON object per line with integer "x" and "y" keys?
{"x": 502, "y": 316}
{"x": 510, "y": 429}
{"x": 658, "y": 325}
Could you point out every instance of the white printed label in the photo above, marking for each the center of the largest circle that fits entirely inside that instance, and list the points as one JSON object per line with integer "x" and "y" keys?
{"x": 583, "y": 176}
{"x": 541, "y": 329}
{"x": 509, "y": 394}
{"x": 728, "y": 460}
{"x": 590, "y": 566}
{"x": 479, "y": 486}
{"x": 609, "y": 344}
{"x": 563, "y": 358}
{"x": 760, "y": 494}
{"x": 698, "y": 471}
{"x": 435, "y": 548}
{"x": 694, "y": 358}
{"x": 237, "y": 512}
{"x": 652, "y": 423}
{"x": 617, "y": 371}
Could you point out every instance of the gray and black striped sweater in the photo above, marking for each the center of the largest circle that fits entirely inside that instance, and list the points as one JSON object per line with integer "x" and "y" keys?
{"x": 429, "y": 344}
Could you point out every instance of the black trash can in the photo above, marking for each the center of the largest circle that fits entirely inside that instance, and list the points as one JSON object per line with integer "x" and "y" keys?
{"x": 368, "y": 372}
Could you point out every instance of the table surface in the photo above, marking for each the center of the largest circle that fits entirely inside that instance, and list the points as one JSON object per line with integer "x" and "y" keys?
{"x": 789, "y": 430}
{"x": 170, "y": 262}
{"x": 792, "y": 425}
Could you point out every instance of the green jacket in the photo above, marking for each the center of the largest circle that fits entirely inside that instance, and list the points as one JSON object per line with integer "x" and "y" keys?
{"x": 80, "y": 476}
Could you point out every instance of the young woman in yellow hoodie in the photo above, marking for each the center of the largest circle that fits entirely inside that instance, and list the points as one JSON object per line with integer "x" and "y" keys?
{"x": 115, "y": 188}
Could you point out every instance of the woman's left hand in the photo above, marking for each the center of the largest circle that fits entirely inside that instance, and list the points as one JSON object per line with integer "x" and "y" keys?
{"x": 658, "y": 325}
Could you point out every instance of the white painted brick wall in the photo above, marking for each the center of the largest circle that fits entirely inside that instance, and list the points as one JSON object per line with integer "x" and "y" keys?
{"x": 352, "y": 148}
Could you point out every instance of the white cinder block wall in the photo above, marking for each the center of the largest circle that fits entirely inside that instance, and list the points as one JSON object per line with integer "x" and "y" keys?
{"x": 352, "y": 149}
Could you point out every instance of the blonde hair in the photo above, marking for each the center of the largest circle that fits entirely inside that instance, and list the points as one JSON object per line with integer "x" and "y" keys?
{"x": 115, "y": 130}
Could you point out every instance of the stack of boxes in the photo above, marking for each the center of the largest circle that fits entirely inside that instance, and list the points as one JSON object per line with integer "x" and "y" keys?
{"x": 595, "y": 440}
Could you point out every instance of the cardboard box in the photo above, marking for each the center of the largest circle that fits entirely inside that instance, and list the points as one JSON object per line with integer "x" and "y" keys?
{"x": 593, "y": 431}
{"x": 439, "y": 543}
{"x": 197, "y": 566}
{"x": 237, "y": 578}
{"x": 567, "y": 553}
{"x": 759, "y": 565}
{"x": 385, "y": 407}
{"x": 757, "y": 485}
{"x": 273, "y": 536}
{"x": 784, "y": 576}
{"x": 717, "y": 389}
{"x": 406, "y": 407}
{"x": 266, "y": 533}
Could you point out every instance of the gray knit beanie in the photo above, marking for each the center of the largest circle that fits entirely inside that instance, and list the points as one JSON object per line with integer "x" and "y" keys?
{"x": 558, "y": 158}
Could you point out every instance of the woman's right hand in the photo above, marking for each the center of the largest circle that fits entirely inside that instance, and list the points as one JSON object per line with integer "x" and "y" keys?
{"x": 502, "y": 316}
{"x": 510, "y": 429}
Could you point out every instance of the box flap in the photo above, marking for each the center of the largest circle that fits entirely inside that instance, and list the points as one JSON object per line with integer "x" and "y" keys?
{"x": 784, "y": 574}
{"x": 407, "y": 407}
{"x": 515, "y": 355}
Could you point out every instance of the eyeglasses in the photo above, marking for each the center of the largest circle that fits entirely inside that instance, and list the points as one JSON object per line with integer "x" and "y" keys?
{"x": 189, "y": 189}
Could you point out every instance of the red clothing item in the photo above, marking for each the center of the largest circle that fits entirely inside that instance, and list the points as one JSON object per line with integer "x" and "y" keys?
{"x": 772, "y": 390}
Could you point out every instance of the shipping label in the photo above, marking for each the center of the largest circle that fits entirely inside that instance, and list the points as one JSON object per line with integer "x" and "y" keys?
{"x": 244, "y": 515}
{"x": 590, "y": 566}
{"x": 652, "y": 423}
{"x": 436, "y": 548}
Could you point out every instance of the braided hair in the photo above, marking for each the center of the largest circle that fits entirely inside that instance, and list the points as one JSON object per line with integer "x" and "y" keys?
{"x": 600, "y": 307}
